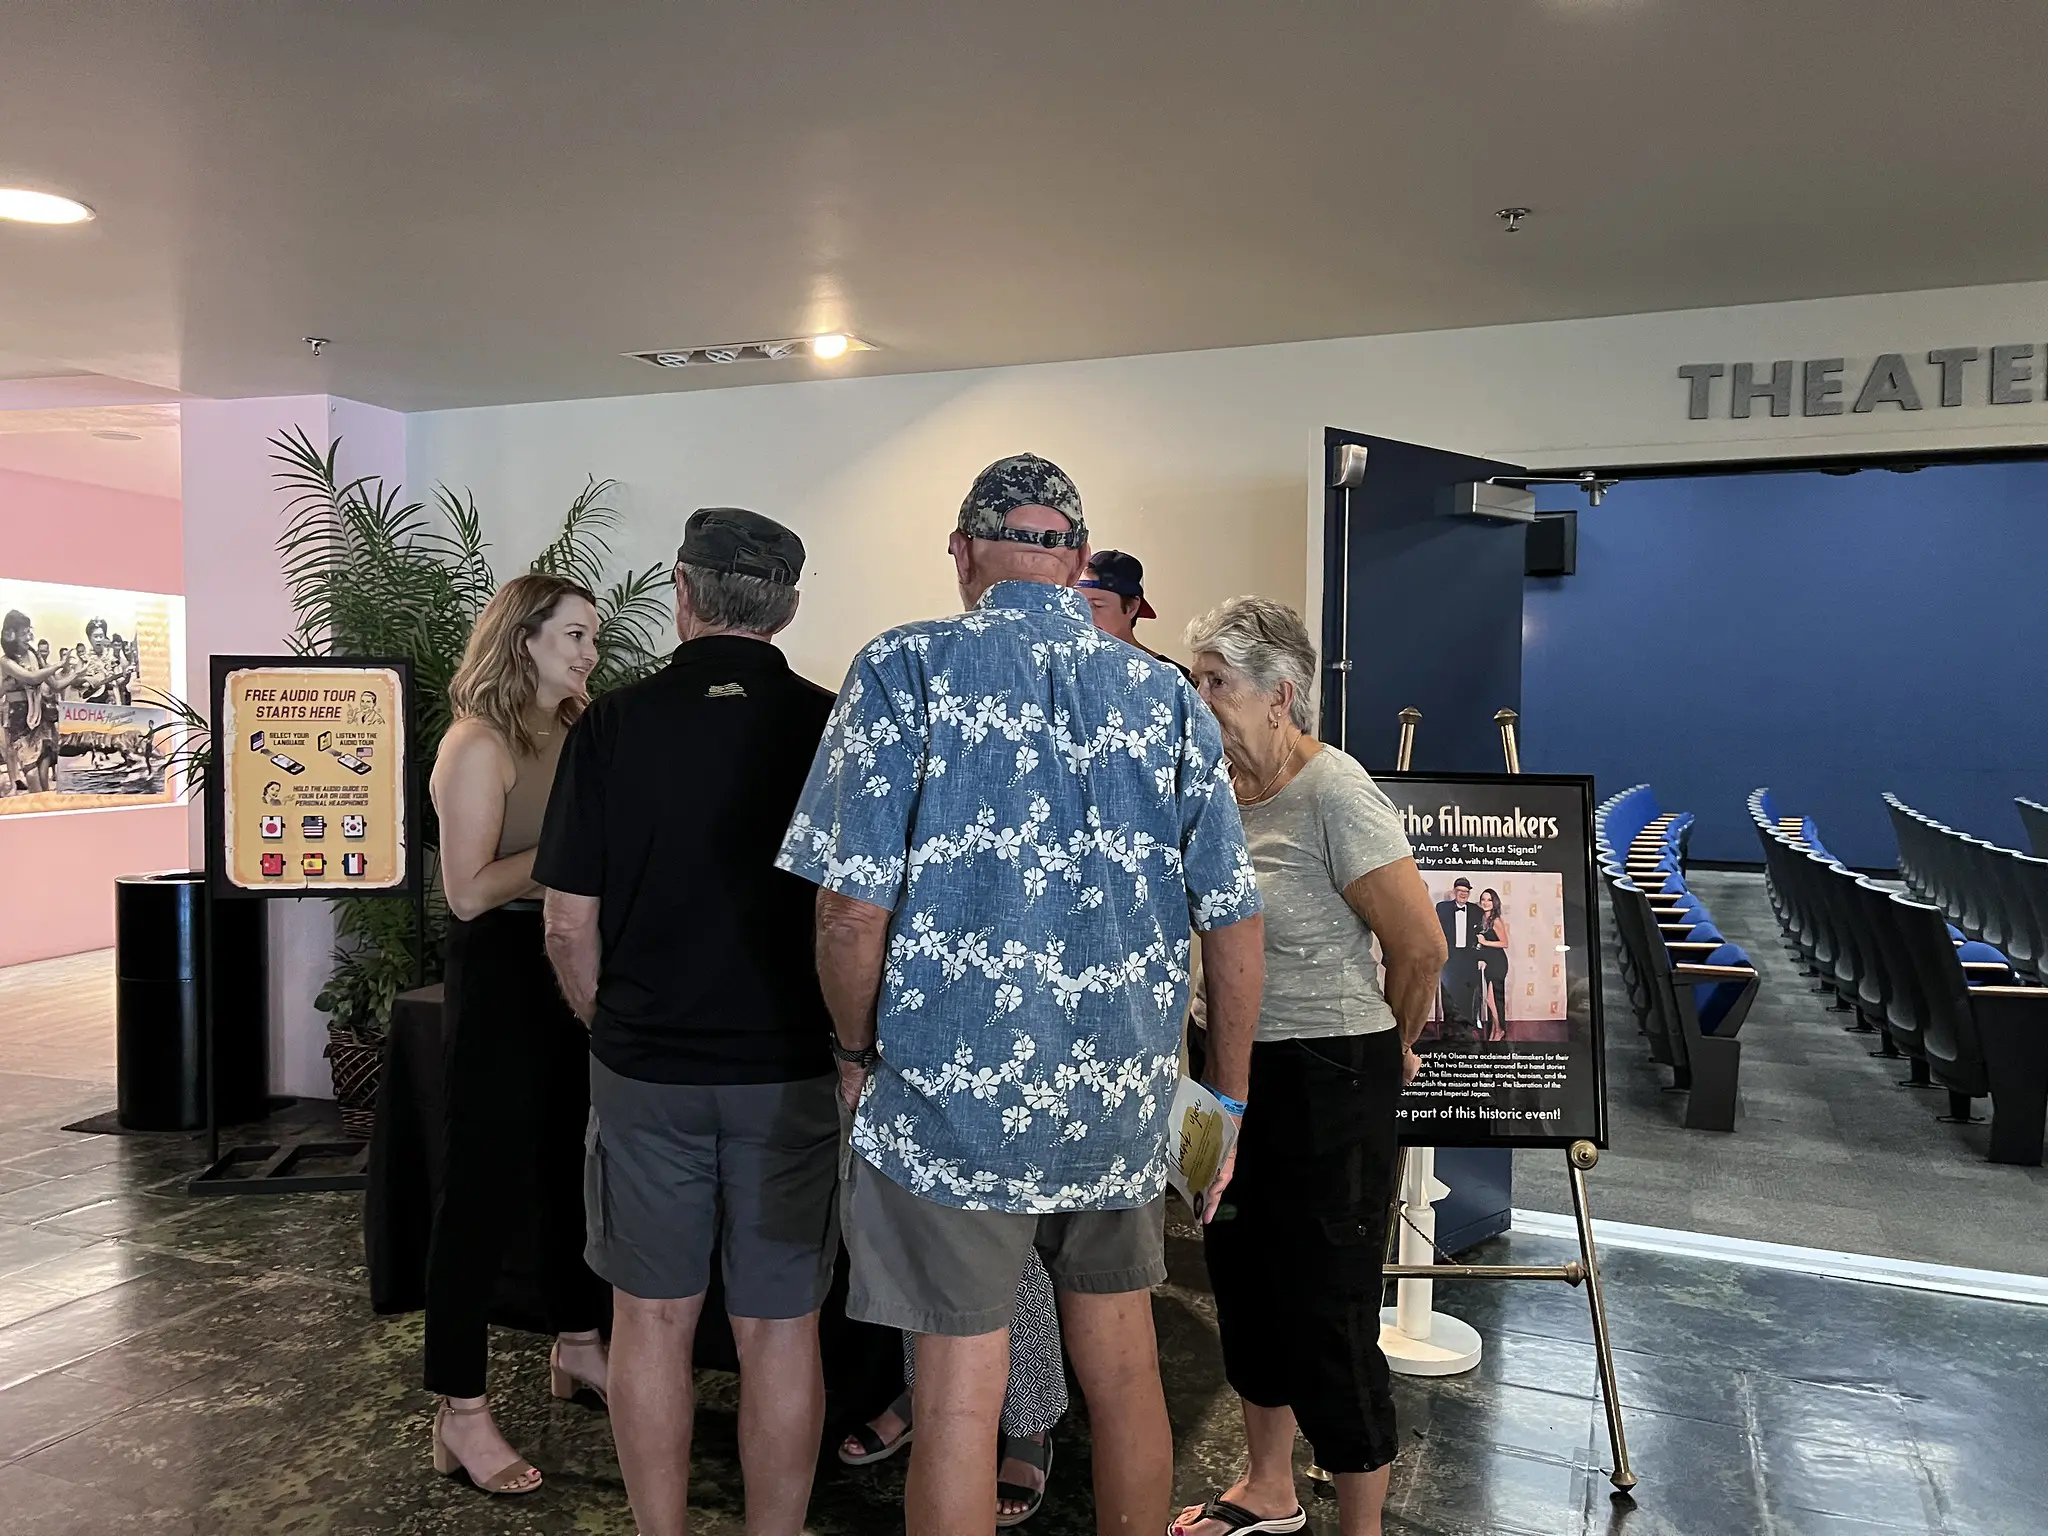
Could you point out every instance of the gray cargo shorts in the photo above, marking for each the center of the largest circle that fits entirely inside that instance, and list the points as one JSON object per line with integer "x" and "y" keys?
{"x": 673, "y": 1170}
{"x": 930, "y": 1268}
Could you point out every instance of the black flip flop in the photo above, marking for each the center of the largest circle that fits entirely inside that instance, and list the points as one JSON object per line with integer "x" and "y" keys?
{"x": 1033, "y": 1453}
{"x": 1240, "y": 1521}
{"x": 873, "y": 1447}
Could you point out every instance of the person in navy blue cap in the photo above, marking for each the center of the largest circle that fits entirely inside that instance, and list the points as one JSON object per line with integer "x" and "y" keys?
{"x": 1115, "y": 589}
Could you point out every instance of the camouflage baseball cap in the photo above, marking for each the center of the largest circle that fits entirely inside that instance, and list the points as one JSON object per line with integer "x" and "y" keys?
{"x": 1023, "y": 480}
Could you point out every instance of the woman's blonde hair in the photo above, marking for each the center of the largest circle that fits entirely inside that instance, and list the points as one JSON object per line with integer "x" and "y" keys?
{"x": 497, "y": 681}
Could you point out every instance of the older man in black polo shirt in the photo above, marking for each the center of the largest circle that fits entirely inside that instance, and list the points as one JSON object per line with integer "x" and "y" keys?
{"x": 713, "y": 1121}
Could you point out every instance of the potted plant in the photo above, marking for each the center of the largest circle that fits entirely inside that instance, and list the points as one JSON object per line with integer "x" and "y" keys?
{"x": 371, "y": 574}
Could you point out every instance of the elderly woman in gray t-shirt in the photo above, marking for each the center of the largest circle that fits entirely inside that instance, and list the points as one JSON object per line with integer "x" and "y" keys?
{"x": 1294, "y": 1255}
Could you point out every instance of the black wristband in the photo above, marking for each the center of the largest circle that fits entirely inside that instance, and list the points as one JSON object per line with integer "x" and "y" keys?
{"x": 865, "y": 1057}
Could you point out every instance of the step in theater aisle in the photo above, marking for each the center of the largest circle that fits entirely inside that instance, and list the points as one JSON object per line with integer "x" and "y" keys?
{"x": 1828, "y": 1151}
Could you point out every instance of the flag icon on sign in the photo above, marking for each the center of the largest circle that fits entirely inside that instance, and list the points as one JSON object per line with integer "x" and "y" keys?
{"x": 272, "y": 826}
{"x": 273, "y": 864}
{"x": 312, "y": 827}
{"x": 352, "y": 826}
{"x": 353, "y": 865}
{"x": 314, "y": 864}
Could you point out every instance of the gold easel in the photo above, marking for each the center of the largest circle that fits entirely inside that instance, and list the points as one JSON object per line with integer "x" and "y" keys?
{"x": 1579, "y": 1157}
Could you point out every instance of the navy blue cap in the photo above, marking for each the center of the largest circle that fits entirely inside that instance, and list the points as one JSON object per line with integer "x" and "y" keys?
{"x": 1111, "y": 570}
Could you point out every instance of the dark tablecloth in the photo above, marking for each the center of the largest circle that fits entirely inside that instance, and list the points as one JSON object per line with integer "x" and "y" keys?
{"x": 863, "y": 1364}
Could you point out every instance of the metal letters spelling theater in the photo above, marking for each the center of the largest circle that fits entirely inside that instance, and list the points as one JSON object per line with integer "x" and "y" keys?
{"x": 2004, "y": 374}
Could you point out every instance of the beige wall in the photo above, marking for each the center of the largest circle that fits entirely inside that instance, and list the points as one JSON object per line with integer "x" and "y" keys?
{"x": 1206, "y": 464}
{"x": 871, "y": 473}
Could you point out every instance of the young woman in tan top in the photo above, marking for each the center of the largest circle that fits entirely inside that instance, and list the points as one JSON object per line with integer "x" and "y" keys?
{"x": 517, "y": 1093}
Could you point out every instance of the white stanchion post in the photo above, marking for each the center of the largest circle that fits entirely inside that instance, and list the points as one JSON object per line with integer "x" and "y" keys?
{"x": 1417, "y": 1340}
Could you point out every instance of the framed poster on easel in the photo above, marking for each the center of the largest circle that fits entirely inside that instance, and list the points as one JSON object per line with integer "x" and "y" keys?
{"x": 313, "y": 792}
{"x": 1514, "y": 1053}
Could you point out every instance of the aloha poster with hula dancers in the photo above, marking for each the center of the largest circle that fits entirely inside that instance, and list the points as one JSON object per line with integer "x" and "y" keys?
{"x": 81, "y": 669}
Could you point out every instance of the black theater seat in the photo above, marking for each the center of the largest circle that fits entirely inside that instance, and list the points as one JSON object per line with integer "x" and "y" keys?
{"x": 1980, "y": 1041}
{"x": 2034, "y": 817}
{"x": 1992, "y": 894}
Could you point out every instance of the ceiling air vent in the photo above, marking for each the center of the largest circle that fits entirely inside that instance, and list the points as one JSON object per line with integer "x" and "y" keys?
{"x": 824, "y": 348}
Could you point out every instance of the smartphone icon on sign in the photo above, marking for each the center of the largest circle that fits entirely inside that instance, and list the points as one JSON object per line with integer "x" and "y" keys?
{"x": 287, "y": 764}
{"x": 351, "y": 762}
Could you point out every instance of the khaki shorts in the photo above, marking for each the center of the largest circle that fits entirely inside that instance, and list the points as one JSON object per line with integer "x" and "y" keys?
{"x": 930, "y": 1268}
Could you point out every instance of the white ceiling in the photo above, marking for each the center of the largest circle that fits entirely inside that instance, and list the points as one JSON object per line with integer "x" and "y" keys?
{"x": 490, "y": 200}
{"x": 144, "y": 454}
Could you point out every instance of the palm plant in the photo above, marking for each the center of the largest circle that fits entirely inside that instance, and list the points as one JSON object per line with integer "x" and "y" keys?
{"x": 374, "y": 575}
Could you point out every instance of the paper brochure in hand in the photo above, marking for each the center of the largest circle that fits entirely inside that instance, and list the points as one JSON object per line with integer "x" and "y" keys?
{"x": 1199, "y": 1135}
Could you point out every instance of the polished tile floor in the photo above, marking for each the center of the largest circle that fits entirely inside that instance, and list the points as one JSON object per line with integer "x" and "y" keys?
{"x": 212, "y": 1367}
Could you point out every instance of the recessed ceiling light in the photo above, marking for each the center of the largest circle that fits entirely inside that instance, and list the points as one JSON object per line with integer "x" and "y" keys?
{"x": 827, "y": 347}
{"x": 118, "y": 437}
{"x": 26, "y": 207}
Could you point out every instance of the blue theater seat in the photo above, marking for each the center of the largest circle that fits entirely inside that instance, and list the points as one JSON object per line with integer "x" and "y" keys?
{"x": 1982, "y": 964}
{"x": 1714, "y": 1001}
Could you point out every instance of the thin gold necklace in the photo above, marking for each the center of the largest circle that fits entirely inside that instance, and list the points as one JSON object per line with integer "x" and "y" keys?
{"x": 1267, "y": 791}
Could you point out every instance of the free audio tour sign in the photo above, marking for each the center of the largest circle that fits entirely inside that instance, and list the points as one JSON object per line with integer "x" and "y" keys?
{"x": 314, "y": 776}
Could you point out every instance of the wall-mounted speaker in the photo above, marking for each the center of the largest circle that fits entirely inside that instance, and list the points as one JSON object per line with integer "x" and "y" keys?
{"x": 1553, "y": 548}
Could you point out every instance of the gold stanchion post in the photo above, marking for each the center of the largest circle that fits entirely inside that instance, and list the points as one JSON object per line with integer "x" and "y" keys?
{"x": 1509, "y": 752}
{"x": 1584, "y": 1155}
{"x": 1404, "y": 754}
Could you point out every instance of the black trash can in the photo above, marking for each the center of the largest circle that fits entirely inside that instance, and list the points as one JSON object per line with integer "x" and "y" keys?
{"x": 160, "y": 1019}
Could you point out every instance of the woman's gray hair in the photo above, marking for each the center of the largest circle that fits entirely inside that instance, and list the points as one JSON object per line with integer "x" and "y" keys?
{"x": 744, "y": 603}
{"x": 1265, "y": 643}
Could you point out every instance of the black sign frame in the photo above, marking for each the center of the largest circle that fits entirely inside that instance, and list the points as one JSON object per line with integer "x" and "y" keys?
{"x": 218, "y": 883}
{"x": 1579, "y": 875}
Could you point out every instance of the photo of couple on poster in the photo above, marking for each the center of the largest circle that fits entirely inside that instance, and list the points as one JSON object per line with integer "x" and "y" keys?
{"x": 1498, "y": 984}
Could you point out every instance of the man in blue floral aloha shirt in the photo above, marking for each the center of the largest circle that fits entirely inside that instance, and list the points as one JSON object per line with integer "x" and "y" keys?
{"x": 1014, "y": 820}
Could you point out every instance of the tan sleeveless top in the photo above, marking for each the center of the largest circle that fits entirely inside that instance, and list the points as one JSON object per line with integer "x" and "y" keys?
{"x": 532, "y": 778}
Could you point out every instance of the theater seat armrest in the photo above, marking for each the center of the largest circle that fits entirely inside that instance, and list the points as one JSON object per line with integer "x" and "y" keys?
{"x": 1692, "y": 971}
{"x": 2036, "y": 994}
{"x": 1984, "y": 965}
{"x": 1704, "y": 946}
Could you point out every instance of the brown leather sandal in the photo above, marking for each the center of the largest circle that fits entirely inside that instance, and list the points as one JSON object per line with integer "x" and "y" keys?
{"x": 510, "y": 1479}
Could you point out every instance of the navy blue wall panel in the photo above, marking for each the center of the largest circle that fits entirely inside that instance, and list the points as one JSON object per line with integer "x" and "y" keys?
{"x": 1436, "y": 613}
{"x": 1831, "y": 636}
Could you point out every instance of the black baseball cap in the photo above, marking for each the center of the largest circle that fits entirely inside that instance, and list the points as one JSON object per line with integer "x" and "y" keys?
{"x": 741, "y": 543}
{"x": 1114, "y": 571}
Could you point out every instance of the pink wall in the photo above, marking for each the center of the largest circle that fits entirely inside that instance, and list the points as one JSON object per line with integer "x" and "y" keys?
{"x": 75, "y": 856}
{"x": 88, "y": 535}
{"x": 84, "y": 535}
